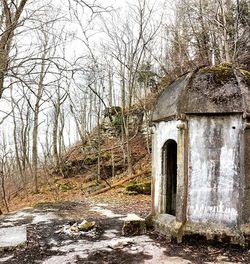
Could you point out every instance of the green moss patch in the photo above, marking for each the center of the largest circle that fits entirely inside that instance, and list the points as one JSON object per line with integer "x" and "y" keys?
{"x": 246, "y": 76}
{"x": 221, "y": 73}
{"x": 138, "y": 188}
{"x": 64, "y": 187}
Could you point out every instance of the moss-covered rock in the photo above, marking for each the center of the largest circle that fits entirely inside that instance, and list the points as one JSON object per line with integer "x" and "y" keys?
{"x": 86, "y": 225}
{"x": 138, "y": 188}
{"x": 90, "y": 160}
{"x": 64, "y": 186}
{"x": 117, "y": 123}
{"x": 105, "y": 155}
{"x": 130, "y": 192}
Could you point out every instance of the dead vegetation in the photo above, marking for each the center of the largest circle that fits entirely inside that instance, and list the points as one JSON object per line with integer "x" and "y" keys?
{"x": 77, "y": 176}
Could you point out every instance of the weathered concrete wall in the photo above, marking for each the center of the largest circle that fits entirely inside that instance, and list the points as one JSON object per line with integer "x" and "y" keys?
{"x": 215, "y": 174}
{"x": 162, "y": 132}
{"x": 246, "y": 195}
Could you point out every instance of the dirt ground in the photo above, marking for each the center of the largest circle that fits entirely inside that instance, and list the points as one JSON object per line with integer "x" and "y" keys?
{"x": 47, "y": 244}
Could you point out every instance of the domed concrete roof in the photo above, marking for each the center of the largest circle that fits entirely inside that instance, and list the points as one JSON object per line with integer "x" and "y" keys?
{"x": 207, "y": 90}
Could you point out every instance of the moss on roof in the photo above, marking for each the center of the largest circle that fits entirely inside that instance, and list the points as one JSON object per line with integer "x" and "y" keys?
{"x": 214, "y": 89}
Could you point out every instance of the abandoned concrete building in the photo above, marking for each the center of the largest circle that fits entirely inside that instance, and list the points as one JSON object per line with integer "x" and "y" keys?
{"x": 201, "y": 155}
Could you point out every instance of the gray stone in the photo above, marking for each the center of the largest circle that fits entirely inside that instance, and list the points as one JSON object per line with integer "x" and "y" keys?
{"x": 6, "y": 258}
{"x": 222, "y": 262}
{"x": 13, "y": 236}
{"x": 133, "y": 225}
{"x": 176, "y": 260}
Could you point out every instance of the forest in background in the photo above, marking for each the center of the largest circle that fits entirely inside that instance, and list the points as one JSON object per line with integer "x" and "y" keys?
{"x": 63, "y": 65}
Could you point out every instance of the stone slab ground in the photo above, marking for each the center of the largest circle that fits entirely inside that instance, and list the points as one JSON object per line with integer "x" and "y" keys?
{"x": 48, "y": 244}
{"x": 13, "y": 236}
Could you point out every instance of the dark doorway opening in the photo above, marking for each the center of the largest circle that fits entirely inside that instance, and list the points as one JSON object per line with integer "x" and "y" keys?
{"x": 169, "y": 171}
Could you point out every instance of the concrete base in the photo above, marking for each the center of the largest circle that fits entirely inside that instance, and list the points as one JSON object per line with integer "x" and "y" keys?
{"x": 13, "y": 236}
{"x": 167, "y": 225}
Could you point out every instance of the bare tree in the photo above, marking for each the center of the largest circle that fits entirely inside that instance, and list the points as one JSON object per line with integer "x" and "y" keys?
{"x": 129, "y": 41}
{"x": 57, "y": 104}
{"x": 10, "y": 18}
{"x": 206, "y": 28}
{"x": 4, "y": 171}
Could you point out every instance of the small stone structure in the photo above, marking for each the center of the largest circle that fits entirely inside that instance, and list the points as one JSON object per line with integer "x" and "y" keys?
{"x": 201, "y": 155}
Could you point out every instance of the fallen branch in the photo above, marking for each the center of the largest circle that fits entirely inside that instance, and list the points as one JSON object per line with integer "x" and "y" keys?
{"x": 117, "y": 184}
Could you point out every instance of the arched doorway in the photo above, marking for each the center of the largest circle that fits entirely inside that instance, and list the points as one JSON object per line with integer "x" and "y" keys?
{"x": 169, "y": 172}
